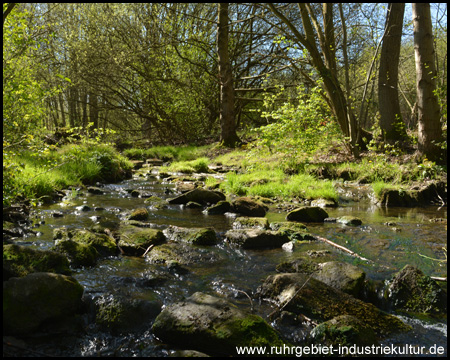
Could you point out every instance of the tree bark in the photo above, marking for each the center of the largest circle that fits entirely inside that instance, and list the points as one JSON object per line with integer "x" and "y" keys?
{"x": 428, "y": 111}
{"x": 391, "y": 123}
{"x": 228, "y": 135}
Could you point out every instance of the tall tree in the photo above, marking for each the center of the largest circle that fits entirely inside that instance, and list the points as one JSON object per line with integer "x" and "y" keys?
{"x": 228, "y": 135}
{"x": 430, "y": 130}
{"x": 391, "y": 123}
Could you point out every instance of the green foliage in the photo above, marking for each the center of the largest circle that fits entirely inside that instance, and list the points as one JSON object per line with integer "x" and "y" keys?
{"x": 167, "y": 153}
{"x": 298, "y": 130}
{"x": 189, "y": 167}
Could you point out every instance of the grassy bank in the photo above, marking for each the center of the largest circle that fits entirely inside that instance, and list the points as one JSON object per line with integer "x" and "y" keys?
{"x": 37, "y": 175}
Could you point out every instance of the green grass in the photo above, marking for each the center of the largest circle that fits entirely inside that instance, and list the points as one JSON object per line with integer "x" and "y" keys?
{"x": 38, "y": 175}
{"x": 168, "y": 153}
{"x": 188, "y": 167}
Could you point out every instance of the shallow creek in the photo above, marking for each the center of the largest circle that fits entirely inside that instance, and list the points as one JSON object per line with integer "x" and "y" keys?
{"x": 390, "y": 237}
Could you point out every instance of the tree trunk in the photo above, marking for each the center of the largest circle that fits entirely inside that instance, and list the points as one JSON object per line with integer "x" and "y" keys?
{"x": 428, "y": 111}
{"x": 93, "y": 109}
{"x": 228, "y": 135}
{"x": 391, "y": 123}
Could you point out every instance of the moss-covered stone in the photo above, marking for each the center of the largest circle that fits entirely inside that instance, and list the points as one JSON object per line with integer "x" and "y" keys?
{"x": 30, "y": 301}
{"x": 220, "y": 208}
{"x": 194, "y": 236}
{"x": 344, "y": 330}
{"x": 181, "y": 253}
{"x": 104, "y": 244}
{"x": 21, "y": 260}
{"x": 244, "y": 222}
{"x": 249, "y": 207}
{"x": 411, "y": 290}
{"x": 140, "y": 214}
{"x": 135, "y": 240}
{"x": 78, "y": 254}
{"x": 212, "y": 325}
{"x": 295, "y": 231}
{"x": 119, "y": 315}
{"x": 256, "y": 238}
{"x": 349, "y": 220}
{"x": 302, "y": 294}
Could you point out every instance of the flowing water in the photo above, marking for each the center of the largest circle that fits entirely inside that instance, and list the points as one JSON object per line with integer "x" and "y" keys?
{"x": 390, "y": 237}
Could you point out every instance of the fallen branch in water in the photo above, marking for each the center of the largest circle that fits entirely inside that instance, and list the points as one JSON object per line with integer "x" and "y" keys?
{"x": 435, "y": 278}
{"x": 340, "y": 247}
{"x": 148, "y": 249}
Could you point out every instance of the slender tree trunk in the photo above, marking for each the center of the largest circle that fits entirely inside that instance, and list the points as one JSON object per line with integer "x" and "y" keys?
{"x": 391, "y": 123}
{"x": 61, "y": 106}
{"x": 93, "y": 109}
{"x": 227, "y": 117}
{"x": 428, "y": 111}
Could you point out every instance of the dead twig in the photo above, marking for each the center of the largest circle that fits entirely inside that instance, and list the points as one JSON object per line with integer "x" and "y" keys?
{"x": 148, "y": 249}
{"x": 340, "y": 247}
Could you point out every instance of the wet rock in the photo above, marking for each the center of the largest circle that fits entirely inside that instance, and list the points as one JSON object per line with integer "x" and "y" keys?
{"x": 198, "y": 195}
{"x": 78, "y": 254}
{"x": 134, "y": 241}
{"x": 194, "y": 236}
{"x": 220, "y": 208}
{"x": 411, "y": 290}
{"x": 57, "y": 214}
{"x": 302, "y": 294}
{"x": 349, "y": 220}
{"x": 21, "y": 260}
{"x": 243, "y": 222}
{"x": 256, "y": 238}
{"x": 181, "y": 253}
{"x": 213, "y": 325}
{"x": 184, "y": 187}
{"x": 343, "y": 276}
{"x": 118, "y": 314}
{"x": 295, "y": 231}
{"x": 38, "y": 298}
{"x": 95, "y": 190}
{"x": 307, "y": 214}
{"x": 156, "y": 203}
{"x": 344, "y": 330}
{"x": 249, "y": 207}
{"x": 103, "y": 243}
{"x": 139, "y": 214}
{"x": 83, "y": 208}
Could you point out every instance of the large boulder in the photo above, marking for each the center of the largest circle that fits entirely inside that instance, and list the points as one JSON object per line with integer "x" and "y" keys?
{"x": 198, "y": 195}
{"x": 38, "y": 298}
{"x": 135, "y": 240}
{"x": 22, "y": 260}
{"x": 256, "y": 238}
{"x": 307, "y": 214}
{"x": 302, "y": 294}
{"x": 213, "y": 325}
{"x": 248, "y": 207}
{"x": 194, "y": 236}
{"x": 411, "y": 290}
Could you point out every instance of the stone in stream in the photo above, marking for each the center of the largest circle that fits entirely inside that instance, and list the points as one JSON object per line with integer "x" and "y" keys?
{"x": 135, "y": 240}
{"x": 194, "y": 236}
{"x": 139, "y": 214}
{"x": 411, "y": 290}
{"x": 21, "y": 260}
{"x": 256, "y": 238}
{"x": 182, "y": 254}
{"x": 103, "y": 243}
{"x": 248, "y": 207}
{"x": 78, "y": 254}
{"x": 307, "y": 214}
{"x": 213, "y": 325}
{"x": 31, "y": 301}
{"x": 349, "y": 220}
{"x": 302, "y": 294}
{"x": 244, "y": 222}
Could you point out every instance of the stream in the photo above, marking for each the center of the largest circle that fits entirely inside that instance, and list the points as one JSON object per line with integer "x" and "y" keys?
{"x": 391, "y": 237}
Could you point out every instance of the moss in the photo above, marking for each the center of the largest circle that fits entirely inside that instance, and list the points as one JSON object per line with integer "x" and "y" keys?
{"x": 139, "y": 214}
{"x": 21, "y": 260}
{"x": 103, "y": 243}
{"x": 135, "y": 240}
{"x": 78, "y": 254}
